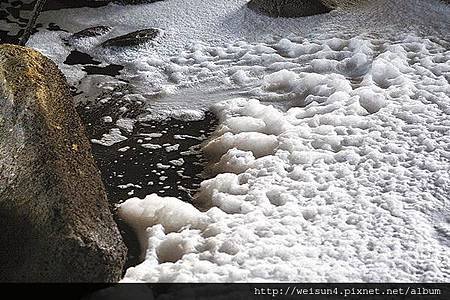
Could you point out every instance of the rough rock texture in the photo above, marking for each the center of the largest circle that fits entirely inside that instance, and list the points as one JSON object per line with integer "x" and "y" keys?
{"x": 291, "y": 8}
{"x": 91, "y": 32}
{"x": 136, "y": 1}
{"x": 134, "y": 38}
{"x": 62, "y": 4}
{"x": 54, "y": 216}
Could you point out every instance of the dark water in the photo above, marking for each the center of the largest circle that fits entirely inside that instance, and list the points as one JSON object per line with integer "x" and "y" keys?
{"x": 13, "y": 22}
{"x": 131, "y": 170}
{"x": 110, "y": 70}
{"x": 91, "y": 66}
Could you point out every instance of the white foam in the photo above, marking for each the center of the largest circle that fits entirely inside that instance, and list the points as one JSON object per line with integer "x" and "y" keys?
{"x": 108, "y": 139}
{"x": 338, "y": 172}
{"x": 351, "y": 186}
{"x": 126, "y": 124}
{"x": 151, "y": 146}
{"x": 163, "y": 215}
{"x": 172, "y": 148}
{"x": 129, "y": 185}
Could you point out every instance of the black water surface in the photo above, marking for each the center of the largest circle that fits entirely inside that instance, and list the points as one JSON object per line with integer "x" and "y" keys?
{"x": 131, "y": 169}
{"x": 79, "y": 58}
{"x": 110, "y": 70}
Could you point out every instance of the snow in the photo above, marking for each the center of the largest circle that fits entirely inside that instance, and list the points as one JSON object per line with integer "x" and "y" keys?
{"x": 331, "y": 159}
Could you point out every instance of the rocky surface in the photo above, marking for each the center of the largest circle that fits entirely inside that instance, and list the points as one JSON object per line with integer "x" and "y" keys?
{"x": 137, "y": 1}
{"x": 91, "y": 32}
{"x": 55, "y": 219}
{"x": 291, "y": 8}
{"x": 134, "y": 38}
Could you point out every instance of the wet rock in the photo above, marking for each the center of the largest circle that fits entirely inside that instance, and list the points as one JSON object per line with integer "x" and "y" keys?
{"x": 133, "y": 39}
{"x": 63, "y": 4}
{"x": 291, "y": 8}
{"x": 136, "y": 1}
{"x": 91, "y": 32}
{"x": 55, "y": 219}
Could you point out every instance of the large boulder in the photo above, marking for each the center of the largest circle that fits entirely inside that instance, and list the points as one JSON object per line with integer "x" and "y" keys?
{"x": 55, "y": 220}
{"x": 291, "y": 8}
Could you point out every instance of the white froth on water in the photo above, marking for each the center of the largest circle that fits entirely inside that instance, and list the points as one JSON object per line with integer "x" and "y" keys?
{"x": 108, "y": 139}
{"x": 331, "y": 160}
{"x": 212, "y": 50}
{"x": 348, "y": 182}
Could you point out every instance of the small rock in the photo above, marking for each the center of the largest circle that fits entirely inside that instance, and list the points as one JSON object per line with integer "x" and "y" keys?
{"x": 91, "y": 32}
{"x": 132, "y": 2}
{"x": 133, "y": 39}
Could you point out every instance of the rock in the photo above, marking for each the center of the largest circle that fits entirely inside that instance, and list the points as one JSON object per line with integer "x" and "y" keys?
{"x": 91, "y": 32}
{"x": 291, "y": 8}
{"x": 136, "y": 1}
{"x": 134, "y": 38}
{"x": 64, "y": 4}
{"x": 55, "y": 219}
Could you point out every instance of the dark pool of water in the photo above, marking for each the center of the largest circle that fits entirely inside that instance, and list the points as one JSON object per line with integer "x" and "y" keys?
{"x": 131, "y": 169}
{"x": 110, "y": 70}
{"x": 90, "y": 65}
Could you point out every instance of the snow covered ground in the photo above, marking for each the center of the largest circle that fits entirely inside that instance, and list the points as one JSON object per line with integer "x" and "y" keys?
{"x": 331, "y": 161}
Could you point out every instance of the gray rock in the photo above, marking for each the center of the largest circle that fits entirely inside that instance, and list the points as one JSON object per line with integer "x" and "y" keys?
{"x": 134, "y": 38}
{"x": 54, "y": 216}
{"x": 91, "y": 32}
{"x": 136, "y": 1}
{"x": 291, "y": 8}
